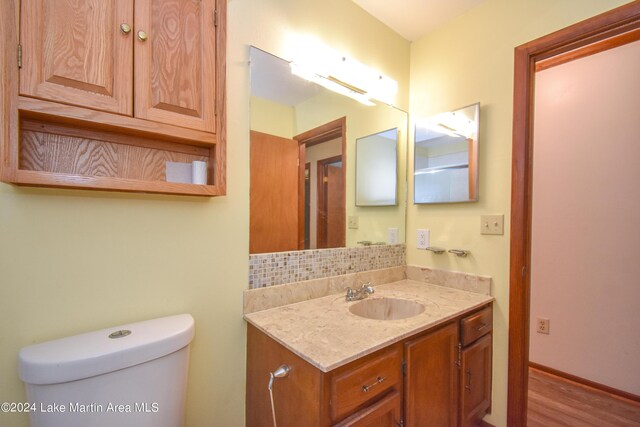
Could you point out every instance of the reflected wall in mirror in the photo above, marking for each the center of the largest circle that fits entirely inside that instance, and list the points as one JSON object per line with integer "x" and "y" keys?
{"x": 302, "y": 172}
{"x": 377, "y": 169}
{"x": 446, "y": 157}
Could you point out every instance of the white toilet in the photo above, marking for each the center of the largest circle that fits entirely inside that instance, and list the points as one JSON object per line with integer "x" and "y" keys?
{"x": 132, "y": 375}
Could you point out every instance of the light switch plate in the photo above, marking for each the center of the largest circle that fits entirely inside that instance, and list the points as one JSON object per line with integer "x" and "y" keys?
{"x": 492, "y": 224}
{"x": 392, "y": 236}
{"x": 353, "y": 222}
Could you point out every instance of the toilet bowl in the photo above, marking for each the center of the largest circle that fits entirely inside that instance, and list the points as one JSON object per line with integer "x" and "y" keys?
{"x": 132, "y": 375}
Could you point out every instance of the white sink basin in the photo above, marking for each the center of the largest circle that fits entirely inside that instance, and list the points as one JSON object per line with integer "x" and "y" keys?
{"x": 386, "y": 308}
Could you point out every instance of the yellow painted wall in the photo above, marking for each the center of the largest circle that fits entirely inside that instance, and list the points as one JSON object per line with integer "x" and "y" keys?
{"x": 272, "y": 118}
{"x": 468, "y": 60}
{"x": 73, "y": 261}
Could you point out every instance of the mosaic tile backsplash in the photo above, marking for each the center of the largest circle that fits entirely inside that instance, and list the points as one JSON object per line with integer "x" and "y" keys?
{"x": 296, "y": 266}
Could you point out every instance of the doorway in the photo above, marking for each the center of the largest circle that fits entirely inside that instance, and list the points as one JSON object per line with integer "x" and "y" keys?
{"x": 284, "y": 207}
{"x": 330, "y": 212}
{"x": 594, "y": 35}
{"x": 322, "y": 184}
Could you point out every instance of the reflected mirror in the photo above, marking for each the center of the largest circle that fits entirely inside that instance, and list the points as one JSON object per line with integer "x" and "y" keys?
{"x": 446, "y": 157}
{"x": 303, "y": 164}
{"x": 377, "y": 169}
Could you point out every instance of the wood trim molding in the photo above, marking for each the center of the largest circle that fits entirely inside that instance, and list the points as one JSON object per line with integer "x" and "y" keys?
{"x": 9, "y": 21}
{"x": 614, "y": 392}
{"x": 323, "y": 133}
{"x": 592, "y": 49}
{"x": 220, "y": 155}
{"x": 617, "y": 21}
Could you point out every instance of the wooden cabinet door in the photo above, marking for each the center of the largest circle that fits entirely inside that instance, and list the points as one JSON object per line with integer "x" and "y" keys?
{"x": 74, "y": 52}
{"x": 175, "y": 66}
{"x": 431, "y": 381}
{"x": 475, "y": 381}
{"x": 385, "y": 413}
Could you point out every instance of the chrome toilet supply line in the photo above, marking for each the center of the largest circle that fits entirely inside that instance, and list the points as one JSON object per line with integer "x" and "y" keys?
{"x": 281, "y": 372}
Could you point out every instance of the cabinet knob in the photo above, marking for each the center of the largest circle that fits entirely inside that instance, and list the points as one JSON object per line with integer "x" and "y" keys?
{"x": 125, "y": 28}
{"x": 142, "y": 35}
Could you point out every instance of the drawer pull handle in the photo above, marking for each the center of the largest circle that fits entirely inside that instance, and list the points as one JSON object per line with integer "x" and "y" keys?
{"x": 484, "y": 325}
{"x": 366, "y": 388}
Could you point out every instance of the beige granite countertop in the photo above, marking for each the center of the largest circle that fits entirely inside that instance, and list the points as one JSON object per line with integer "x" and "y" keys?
{"x": 326, "y": 334}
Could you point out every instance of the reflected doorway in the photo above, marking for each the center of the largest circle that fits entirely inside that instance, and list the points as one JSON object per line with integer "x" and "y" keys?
{"x": 297, "y": 190}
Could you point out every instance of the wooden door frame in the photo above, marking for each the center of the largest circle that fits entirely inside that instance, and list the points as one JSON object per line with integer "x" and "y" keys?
{"x": 615, "y": 22}
{"x": 321, "y": 185}
{"x": 326, "y": 132}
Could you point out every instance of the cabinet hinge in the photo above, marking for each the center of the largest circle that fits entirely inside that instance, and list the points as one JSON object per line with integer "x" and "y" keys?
{"x": 19, "y": 56}
{"x": 215, "y": 18}
{"x": 459, "y": 361}
{"x": 400, "y": 423}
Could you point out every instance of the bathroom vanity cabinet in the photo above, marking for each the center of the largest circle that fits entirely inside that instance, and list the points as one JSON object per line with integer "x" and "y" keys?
{"x": 100, "y": 95}
{"x": 439, "y": 377}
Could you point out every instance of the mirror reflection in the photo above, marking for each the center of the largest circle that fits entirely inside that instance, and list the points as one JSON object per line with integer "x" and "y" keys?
{"x": 303, "y": 164}
{"x": 446, "y": 157}
{"x": 377, "y": 169}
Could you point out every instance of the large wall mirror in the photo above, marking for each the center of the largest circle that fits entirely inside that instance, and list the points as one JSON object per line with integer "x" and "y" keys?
{"x": 446, "y": 157}
{"x": 303, "y": 164}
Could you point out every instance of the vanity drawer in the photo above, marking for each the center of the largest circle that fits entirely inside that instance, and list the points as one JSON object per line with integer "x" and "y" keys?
{"x": 476, "y": 325}
{"x": 363, "y": 381}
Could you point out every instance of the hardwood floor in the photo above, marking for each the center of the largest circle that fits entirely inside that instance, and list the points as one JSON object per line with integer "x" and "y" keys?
{"x": 554, "y": 401}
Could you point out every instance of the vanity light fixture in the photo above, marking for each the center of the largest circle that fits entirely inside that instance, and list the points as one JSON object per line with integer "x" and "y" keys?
{"x": 321, "y": 64}
{"x": 330, "y": 84}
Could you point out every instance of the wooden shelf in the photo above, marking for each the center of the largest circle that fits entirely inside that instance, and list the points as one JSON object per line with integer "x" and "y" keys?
{"x": 72, "y": 153}
{"x": 59, "y": 180}
{"x": 99, "y": 120}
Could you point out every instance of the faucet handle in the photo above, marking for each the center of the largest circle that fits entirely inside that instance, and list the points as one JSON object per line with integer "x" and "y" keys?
{"x": 366, "y": 287}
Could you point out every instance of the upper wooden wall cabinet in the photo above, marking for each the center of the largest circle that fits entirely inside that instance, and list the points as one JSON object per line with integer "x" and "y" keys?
{"x": 102, "y": 94}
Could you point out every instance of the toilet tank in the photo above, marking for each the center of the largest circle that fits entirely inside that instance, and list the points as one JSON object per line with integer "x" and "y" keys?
{"x": 125, "y": 376}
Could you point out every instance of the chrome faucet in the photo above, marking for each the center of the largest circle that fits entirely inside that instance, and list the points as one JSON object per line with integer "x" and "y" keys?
{"x": 357, "y": 294}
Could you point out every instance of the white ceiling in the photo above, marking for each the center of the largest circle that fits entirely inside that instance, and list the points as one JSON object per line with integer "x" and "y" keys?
{"x": 413, "y": 19}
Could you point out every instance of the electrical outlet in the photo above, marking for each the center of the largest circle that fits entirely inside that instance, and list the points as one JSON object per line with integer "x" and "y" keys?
{"x": 422, "y": 239}
{"x": 492, "y": 224}
{"x": 542, "y": 325}
{"x": 353, "y": 222}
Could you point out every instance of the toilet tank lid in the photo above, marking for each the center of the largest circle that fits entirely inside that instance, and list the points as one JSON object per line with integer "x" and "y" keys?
{"x": 95, "y": 353}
